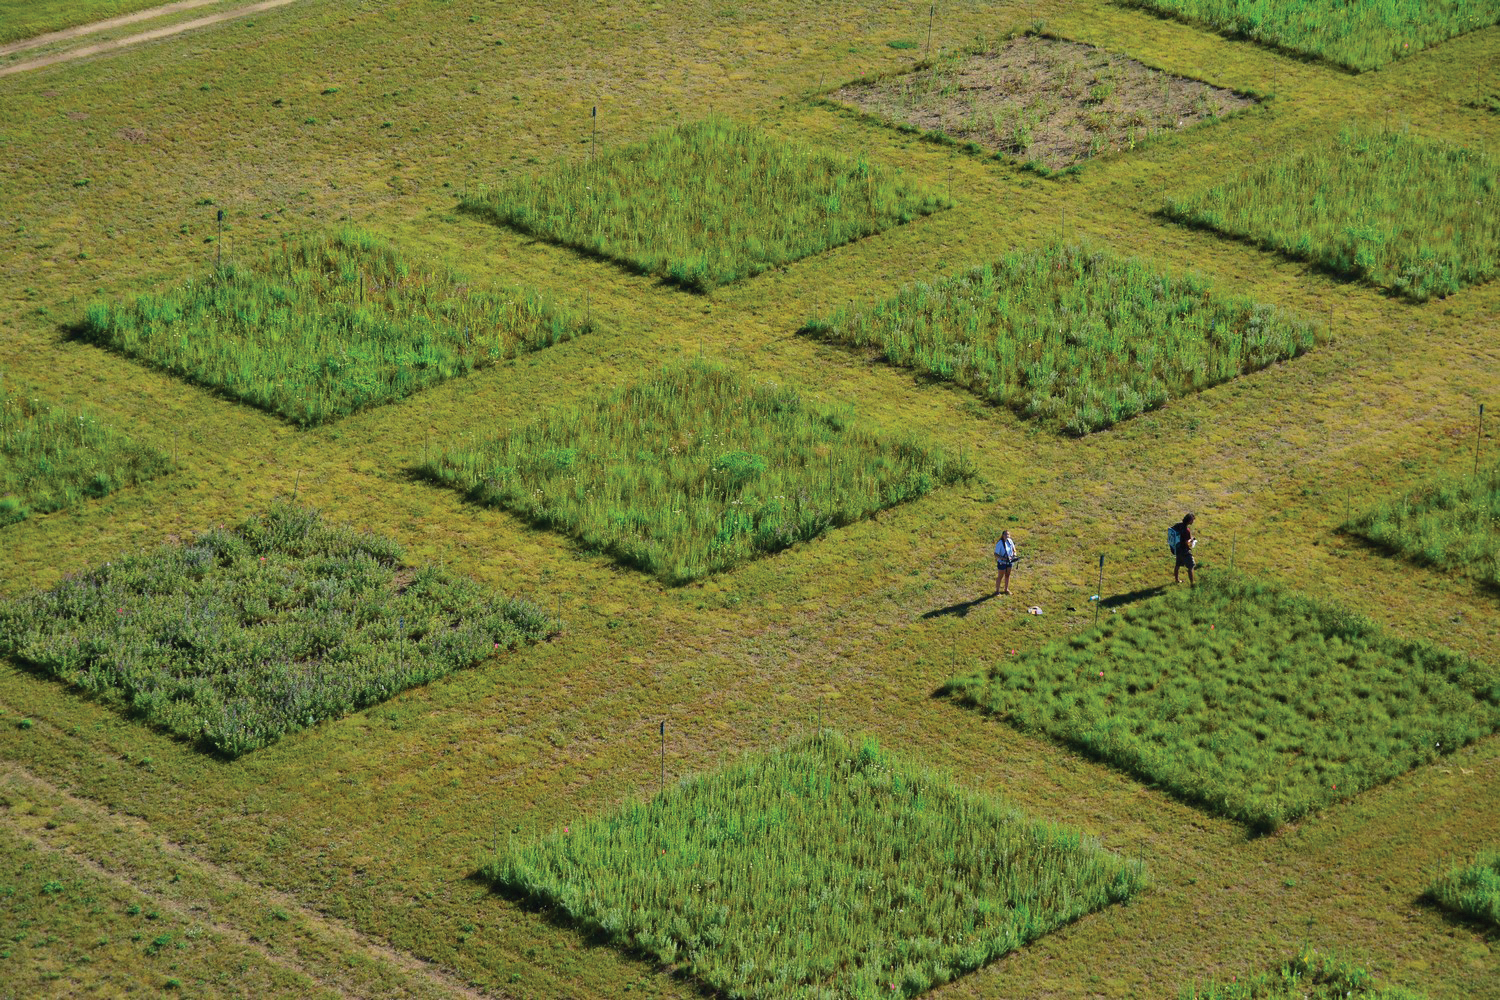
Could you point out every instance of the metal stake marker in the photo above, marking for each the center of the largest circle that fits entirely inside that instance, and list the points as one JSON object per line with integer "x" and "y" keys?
{"x": 1478, "y": 433}
{"x": 595, "y": 146}
{"x": 663, "y": 755}
{"x": 1100, "y": 591}
{"x": 219, "y": 243}
{"x": 931, "y": 13}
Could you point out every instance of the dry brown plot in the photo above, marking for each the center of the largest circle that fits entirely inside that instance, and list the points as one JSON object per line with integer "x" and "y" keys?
{"x": 1045, "y": 100}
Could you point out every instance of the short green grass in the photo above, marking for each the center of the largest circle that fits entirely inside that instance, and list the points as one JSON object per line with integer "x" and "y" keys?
{"x": 736, "y": 878}
{"x": 27, "y": 18}
{"x": 1451, "y": 523}
{"x": 1359, "y": 35}
{"x": 242, "y": 636}
{"x": 1073, "y": 336}
{"x": 1472, "y": 890}
{"x": 52, "y": 458}
{"x": 694, "y": 471}
{"x": 1245, "y": 698}
{"x": 1416, "y": 216}
{"x": 328, "y": 325}
{"x": 1309, "y": 976}
{"x": 708, "y": 203}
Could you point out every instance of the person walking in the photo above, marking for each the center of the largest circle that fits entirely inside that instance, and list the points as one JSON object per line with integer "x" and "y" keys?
{"x": 1005, "y": 558}
{"x": 1183, "y": 549}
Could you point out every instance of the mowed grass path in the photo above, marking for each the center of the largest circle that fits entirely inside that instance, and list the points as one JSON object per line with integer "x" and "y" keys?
{"x": 825, "y": 869}
{"x": 1245, "y": 698}
{"x": 1417, "y": 216}
{"x": 709, "y": 203}
{"x": 52, "y": 458}
{"x": 329, "y": 325}
{"x": 1073, "y": 336}
{"x": 694, "y": 471}
{"x": 1361, "y": 35}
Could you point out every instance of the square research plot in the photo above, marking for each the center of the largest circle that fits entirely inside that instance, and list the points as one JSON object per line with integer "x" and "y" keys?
{"x": 1246, "y": 699}
{"x": 327, "y": 326}
{"x": 242, "y": 636}
{"x": 1048, "y": 102}
{"x": 739, "y": 879}
{"x": 708, "y": 203}
{"x": 694, "y": 471}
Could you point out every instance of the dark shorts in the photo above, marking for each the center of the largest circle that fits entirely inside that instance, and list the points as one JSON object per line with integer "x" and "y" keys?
{"x": 1003, "y": 564}
{"x": 1185, "y": 558}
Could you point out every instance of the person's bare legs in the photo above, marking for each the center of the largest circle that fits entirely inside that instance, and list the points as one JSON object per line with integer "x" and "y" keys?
{"x": 1002, "y": 581}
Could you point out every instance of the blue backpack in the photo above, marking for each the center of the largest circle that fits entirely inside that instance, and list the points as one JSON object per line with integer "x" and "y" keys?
{"x": 1174, "y": 539}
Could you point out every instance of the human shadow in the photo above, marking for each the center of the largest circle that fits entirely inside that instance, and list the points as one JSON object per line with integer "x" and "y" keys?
{"x": 1142, "y": 594}
{"x": 961, "y": 609}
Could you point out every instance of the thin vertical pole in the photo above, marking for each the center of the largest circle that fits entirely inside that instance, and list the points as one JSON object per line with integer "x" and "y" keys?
{"x": 594, "y": 148}
{"x": 1478, "y": 433}
{"x": 931, "y": 13}
{"x": 1100, "y": 591}
{"x": 219, "y": 243}
{"x": 663, "y": 787}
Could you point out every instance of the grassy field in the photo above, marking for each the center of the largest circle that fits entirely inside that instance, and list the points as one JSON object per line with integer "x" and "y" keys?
{"x": 1045, "y": 101}
{"x": 1413, "y": 215}
{"x": 1357, "y": 36}
{"x": 239, "y": 637}
{"x": 366, "y": 830}
{"x": 709, "y": 203}
{"x": 25, "y": 18}
{"x": 733, "y": 877}
{"x": 1309, "y": 976}
{"x": 1245, "y": 699}
{"x": 1472, "y": 890}
{"x": 694, "y": 471}
{"x": 1451, "y": 523}
{"x": 1073, "y": 336}
{"x": 327, "y": 326}
{"x": 51, "y": 458}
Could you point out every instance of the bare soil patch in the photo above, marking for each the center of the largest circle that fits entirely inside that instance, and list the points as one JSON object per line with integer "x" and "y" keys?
{"x": 1047, "y": 100}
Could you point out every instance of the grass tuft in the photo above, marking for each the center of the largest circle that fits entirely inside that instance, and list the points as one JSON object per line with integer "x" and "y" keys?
{"x": 694, "y": 471}
{"x": 734, "y": 876}
{"x": 708, "y": 204}
{"x": 51, "y": 459}
{"x": 327, "y": 326}
{"x": 1472, "y": 890}
{"x": 1076, "y": 338}
{"x": 240, "y": 637}
{"x": 1418, "y": 217}
{"x": 1246, "y": 699}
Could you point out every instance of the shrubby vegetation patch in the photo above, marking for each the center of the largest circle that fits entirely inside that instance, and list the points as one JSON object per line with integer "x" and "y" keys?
{"x": 242, "y": 636}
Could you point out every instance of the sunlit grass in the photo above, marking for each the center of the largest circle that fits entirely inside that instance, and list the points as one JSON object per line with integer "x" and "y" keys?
{"x": 694, "y": 471}
{"x": 1416, "y": 216}
{"x": 51, "y": 458}
{"x": 821, "y": 870}
{"x": 1309, "y": 976}
{"x": 1472, "y": 890}
{"x": 239, "y": 637}
{"x": 1360, "y": 35}
{"x": 1246, "y": 699}
{"x": 1075, "y": 337}
{"x": 708, "y": 203}
{"x": 329, "y": 325}
{"x": 1451, "y": 523}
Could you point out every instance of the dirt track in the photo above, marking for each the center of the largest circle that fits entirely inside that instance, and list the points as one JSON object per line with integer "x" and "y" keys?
{"x": 120, "y": 43}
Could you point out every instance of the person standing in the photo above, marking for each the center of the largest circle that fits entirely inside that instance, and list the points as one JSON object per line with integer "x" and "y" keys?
{"x": 1005, "y": 558}
{"x": 1184, "y": 549}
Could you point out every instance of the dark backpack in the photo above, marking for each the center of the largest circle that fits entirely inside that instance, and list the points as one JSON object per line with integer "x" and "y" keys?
{"x": 1174, "y": 538}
